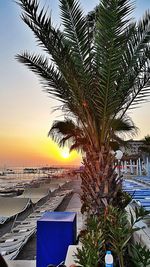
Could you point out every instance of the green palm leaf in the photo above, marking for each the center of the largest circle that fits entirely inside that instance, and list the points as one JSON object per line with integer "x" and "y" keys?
{"x": 52, "y": 79}
{"x": 75, "y": 29}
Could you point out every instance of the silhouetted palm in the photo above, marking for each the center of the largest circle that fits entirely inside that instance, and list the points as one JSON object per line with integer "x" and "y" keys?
{"x": 97, "y": 66}
{"x": 146, "y": 145}
{"x": 68, "y": 133}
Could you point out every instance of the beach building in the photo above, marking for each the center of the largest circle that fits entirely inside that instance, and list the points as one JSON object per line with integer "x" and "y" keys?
{"x": 134, "y": 160}
{"x": 132, "y": 147}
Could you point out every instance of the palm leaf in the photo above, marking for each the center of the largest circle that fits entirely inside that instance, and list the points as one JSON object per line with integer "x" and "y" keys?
{"x": 109, "y": 44}
{"x": 75, "y": 29}
{"x": 68, "y": 133}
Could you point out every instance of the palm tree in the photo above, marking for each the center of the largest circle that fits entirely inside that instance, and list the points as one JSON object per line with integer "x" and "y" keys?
{"x": 146, "y": 145}
{"x": 97, "y": 66}
{"x": 68, "y": 133}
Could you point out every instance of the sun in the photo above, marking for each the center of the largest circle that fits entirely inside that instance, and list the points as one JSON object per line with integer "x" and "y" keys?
{"x": 65, "y": 153}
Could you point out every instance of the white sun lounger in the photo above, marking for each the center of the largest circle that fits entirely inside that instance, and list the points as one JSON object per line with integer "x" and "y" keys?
{"x": 24, "y": 231}
{"x": 10, "y": 207}
{"x": 10, "y": 255}
{"x": 17, "y": 236}
{"x": 9, "y": 248}
{"x": 12, "y": 238}
{"x": 23, "y": 227}
{"x": 65, "y": 192}
{"x": 12, "y": 243}
{"x": 21, "y": 263}
{"x": 35, "y": 194}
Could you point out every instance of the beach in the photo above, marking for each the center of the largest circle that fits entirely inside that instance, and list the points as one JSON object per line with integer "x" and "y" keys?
{"x": 28, "y": 252}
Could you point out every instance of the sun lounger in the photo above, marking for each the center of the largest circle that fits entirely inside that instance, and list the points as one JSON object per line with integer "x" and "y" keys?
{"x": 21, "y": 263}
{"x": 11, "y": 243}
{"x": 9, "y": 248}
{"x": 24, "y": 231}
{"x": 140, "y": 197}
{"x": 24, "y": 228}
{"x": 53, "y": 187}
{"x": 10, "y": 207}
{"x": 12, "y": 238}
{"x": 10, "y": 255}
{"x": 26, "y": 223}
{"x": 144, "y": 203}
{"x": 29, "y": 221}
{"x": 64, "y": 192}
{"x": 35, "y": 194}
{"x": 22, "y": 234}
{"x": 35, "y": 215}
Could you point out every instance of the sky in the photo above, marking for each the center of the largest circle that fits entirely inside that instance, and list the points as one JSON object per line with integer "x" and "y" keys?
{"x": 25, "y": 110}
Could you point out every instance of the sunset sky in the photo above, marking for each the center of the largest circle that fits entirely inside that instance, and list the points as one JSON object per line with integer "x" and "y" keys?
{"x": 26, "y": 111}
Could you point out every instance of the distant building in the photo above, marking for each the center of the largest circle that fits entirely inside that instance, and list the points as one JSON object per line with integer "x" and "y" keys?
{"x": 132, "y": 147}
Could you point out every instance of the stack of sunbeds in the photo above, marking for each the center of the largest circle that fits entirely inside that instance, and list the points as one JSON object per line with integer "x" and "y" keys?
{"x": 35, "y": 194}
{"x": 141, "y": 196}
{"x": 143, "y": 179}
{"x": 52, "y": 187}
{"x": 139, "y": 193}
{"x": 11, "y": 243}
{"x": 10, "y": 207}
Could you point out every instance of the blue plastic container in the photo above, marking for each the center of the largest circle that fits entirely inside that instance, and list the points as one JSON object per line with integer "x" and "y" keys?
{"x": 55, "y": 232}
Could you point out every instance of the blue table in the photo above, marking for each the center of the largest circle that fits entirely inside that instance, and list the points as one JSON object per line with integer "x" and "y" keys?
{"x": 55, "y": 232}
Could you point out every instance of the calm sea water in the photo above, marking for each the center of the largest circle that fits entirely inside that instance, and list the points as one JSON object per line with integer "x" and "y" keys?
{"x": 20, "y": 176}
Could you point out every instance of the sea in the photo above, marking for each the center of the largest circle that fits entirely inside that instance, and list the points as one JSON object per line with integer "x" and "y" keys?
{"x": 20, "y": 177}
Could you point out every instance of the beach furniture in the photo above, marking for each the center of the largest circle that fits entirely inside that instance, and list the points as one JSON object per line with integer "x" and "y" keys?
{"x": 10, "y": 207}
{"x": 55, "y": 232}
{"x": 10, "y": 248}
{"x": 143, "y": 179}
{"x": 7, "y": 255}
{"x": 17, "y": 235}
{"x": 21, "y": 263}
{"x": 35, "y": 194}
{"x": 11, "y": 243}
{"x": 52, "y": 187}
{"x": 8, "y": 241}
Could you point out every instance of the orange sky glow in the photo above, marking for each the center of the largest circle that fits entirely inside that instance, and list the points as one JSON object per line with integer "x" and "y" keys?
{"x": 23, "y": 152}
{"x": 26, "y": 111}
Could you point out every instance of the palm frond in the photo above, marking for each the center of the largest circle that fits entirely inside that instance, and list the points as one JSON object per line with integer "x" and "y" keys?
{"x": 67, "y": 133}
{"x": 75, "y": 28}
{"x": 40, "y": 23}
{"x": 51, "y": 78}
{"x": 135, "y": 87}
{"x": 63, "y": 127}
{"x": 124, "y": 125}
{"x": 112, "y": 21}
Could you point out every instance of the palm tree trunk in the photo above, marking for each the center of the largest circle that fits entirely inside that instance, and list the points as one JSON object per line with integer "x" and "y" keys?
{"x": 100, "y": 183}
